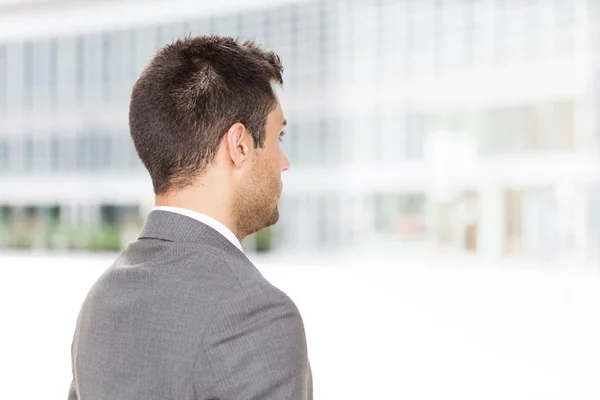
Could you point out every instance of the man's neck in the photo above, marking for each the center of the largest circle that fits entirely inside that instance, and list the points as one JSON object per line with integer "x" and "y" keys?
{"x": 217, "y": 210}
{"x": 207, "y": 220}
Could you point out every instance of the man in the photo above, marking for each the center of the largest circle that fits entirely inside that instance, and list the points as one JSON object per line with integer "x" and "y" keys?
{"x": 182, "y": 313}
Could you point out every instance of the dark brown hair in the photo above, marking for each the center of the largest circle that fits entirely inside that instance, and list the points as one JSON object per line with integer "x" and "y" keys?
{"x": 188, "y": 97}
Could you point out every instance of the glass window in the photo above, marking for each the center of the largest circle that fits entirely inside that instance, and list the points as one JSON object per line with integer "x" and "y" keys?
{"x": 120, "y": 144}
{"x": 531, "y": 132}
{"x": 109, "y": 60}
{"x": 55, "y": 154}
{"x": 331, "y": 140}
{"x": 416, "y": 128}
{"x": 365, "y": 147}
{"x": 93, "y": 68}
{"x": 28, "y": 154}
{"x": 3, "y": 79}
{"x": 3, "y": 155}
{"x": 312, "y": 142}
{"x": 401, "y": 215}
{"x": 298, "y": 142}
{"x": 42, "y": 154}
{"x": 53, "y": 72}
{"x": 306, "y": 46}
{"x": 186, "y": 28}
{"x": 14, "y": 77}
{"x": 68, "y": 72}
{"x": 89, "y": 68}
{"x": 280, "y": 25}
{"x": 106, "y": 145}
{"x": 323, "y": 234}
{"x": 564, "y": 12}
{"x": 80, "y": 68}
{"x": 565, "y": 40}
{"x": 100, "y": 156}
{"x": 199, "y": 26}
{"x": 115, "y": 61}
{"x": 252, "y": 26}
{"x": 502, "y": 32}
{"x": 179, "y": 30}
{"x": 393, "y": 37}
{"x": 564, "y": 123}
{"x": 510, "y": 129}
{"x": 96, "y": 153}
{"x": 367, "y": 24}
{"x": 424, "y": 37}
{"x": 227, "y": 25}
{"x": 129, "y": 53}
{"x": 82, "y": 152}
{"x": 532, "y": 39}
{"x": 41, "y": 73}
{"x": 453, "y": 37}
{"x": 481, "y": 34}
{"x": 321, "y": 142}
{"x": 393, "y": 131}
{"x": 328, "y": 44}
{"x": 145, "y": 45}
{"x": 28, "y": 75}
{"x": 93, "y": 151}
{"x": 168, "y": 33}
{"x": 268, "y": 21}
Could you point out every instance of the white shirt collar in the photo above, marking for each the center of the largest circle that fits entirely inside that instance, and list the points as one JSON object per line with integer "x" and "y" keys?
{"x": 205, "y": 219}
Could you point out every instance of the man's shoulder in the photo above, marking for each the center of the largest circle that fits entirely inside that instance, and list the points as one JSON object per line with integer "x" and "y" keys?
{"x": 219, "y": 279}
{"x": 246, "y": 298}
{"x": 246, "y": 285}
{"x": 229, "y": 274}
{"x": 233, "y": 266}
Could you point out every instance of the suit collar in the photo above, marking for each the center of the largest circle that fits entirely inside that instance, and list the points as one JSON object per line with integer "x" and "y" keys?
{"x": 207, "y": 220}
{"x": 165, "y": 225}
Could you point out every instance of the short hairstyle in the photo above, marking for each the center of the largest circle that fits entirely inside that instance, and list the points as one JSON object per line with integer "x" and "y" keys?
{"x": 188, "y": 97}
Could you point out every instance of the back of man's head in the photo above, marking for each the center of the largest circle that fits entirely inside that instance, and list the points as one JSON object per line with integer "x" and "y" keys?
{"x": 189, "y": 95}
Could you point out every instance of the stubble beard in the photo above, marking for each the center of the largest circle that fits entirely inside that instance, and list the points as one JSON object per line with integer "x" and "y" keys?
{"x": 256, "y": 204}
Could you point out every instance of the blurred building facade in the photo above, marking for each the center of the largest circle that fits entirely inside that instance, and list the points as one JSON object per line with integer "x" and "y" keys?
{"x": 465, "y": 124}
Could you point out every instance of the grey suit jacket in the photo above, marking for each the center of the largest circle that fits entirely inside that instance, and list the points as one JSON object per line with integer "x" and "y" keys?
{"x": 183, "y": 314}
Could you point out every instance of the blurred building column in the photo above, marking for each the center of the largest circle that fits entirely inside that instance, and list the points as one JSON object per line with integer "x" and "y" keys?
{"x": 533, "y": 237}
{"x": 18, "y": 212}
{"x": 566, "y": 196}
{"x": 91, "y": 214}
{"x": 364, "y": 210}
{"x": 305, "y": 228}
{"x": 343, "y": 219}
{"x": 42, "y": 218}
{"x": 580, "y": 223}
{"x": 69, "y": 214}
{"x": 491, "y": 232}
{"x": 593, "y": 226}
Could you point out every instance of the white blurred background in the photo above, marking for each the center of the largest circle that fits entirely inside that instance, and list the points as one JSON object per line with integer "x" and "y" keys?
{"x": 440, "y": 224}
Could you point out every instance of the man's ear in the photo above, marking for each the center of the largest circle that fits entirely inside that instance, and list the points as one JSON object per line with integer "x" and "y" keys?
{"x": 237, "y": 143}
